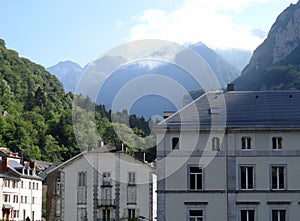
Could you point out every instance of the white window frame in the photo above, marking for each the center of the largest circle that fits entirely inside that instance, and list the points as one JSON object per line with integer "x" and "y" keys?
{"x": 277, "y": 176}
{"x": 196, "y": 174}
{"x": 247, "y": 176}
{"x": 246, "y": 143}
{"x": 278, "y": 215}
{"x": 195, "y": 218}
{"x": 277, "y": 143}
{"x": 247, "y": 208}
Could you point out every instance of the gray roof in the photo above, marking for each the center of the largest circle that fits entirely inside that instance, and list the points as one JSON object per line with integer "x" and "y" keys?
{"x": 239, "y": 109}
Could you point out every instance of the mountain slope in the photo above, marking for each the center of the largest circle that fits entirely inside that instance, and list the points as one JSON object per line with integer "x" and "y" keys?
{"x": 275, "y": 63}
{"x": 224, "y": 71}
{"x": 34, "y": 102}
{"x": 68, "y": 73}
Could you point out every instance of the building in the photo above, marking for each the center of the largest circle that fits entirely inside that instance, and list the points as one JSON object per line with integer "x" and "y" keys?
{"x": 20, "y": 188}
{"x": 101, "y": 184}
{"x": 231, "y": 156}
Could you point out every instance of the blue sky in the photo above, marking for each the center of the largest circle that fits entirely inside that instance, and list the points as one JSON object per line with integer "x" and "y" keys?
{"x": 50, "y": 31}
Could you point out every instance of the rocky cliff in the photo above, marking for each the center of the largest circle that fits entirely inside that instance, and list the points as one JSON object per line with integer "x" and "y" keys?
{"x": 278, "y": 53}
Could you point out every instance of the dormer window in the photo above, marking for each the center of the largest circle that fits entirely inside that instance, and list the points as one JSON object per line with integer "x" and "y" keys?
{"x": 246, "y": 143}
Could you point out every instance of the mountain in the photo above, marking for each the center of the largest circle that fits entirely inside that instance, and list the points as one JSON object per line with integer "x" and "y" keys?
{"x": 224, "y": 71}
{"x": 275, "y": 64}
{"x": 68, "y": 73}
{"x": 36, "y": 119}
{"x": 237, "y": 57}
{"x": 137, "y": 77}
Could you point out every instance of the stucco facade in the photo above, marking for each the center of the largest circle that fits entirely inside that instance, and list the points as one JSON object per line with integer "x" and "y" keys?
{"x": 244, "y": 170}
{"x": 101, "y": 185}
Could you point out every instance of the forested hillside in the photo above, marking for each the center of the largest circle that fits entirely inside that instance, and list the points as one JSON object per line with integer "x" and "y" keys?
{"x": 36, "y": 113}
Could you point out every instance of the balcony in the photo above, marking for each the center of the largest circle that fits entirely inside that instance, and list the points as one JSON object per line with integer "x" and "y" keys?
{"x": 106, "y": 202}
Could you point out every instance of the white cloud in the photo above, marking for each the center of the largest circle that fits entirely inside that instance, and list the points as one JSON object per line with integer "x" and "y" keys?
{"x": 198, "y": 20}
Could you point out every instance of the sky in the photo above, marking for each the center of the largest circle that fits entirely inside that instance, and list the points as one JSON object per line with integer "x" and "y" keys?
{"x": 51, "y": 31}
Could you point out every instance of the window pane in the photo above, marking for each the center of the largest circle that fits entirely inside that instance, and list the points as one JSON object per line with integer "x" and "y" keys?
{"x": 192, "y": 181}
{"x": 196, "y": 212}
{"x": 250, "y": 178}
{"x": 281, "y": 177}
{"x": 251, "y": 215}
{"x": 195, "y": 170}
{"x": 243, "y": 215}
{"x": 199, "y": 181}
{"x": 243, "y": 177}
{"x": 175, "y": 143}
{"x": 274, "y": 142}
{"x": 274, "y": 177}
{"x": 282, "y": 215}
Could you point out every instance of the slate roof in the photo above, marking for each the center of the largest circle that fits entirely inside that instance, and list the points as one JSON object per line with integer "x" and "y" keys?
{"x": 239, "y": 109}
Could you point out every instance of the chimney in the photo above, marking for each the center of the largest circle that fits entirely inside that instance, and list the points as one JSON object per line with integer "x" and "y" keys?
{"x": 167, "y": 114}
{"x": 32, "y": 165}
{"x": 140, "y": 155}
{"x": 5, "y": 164}
{"x": 230, "y": 87}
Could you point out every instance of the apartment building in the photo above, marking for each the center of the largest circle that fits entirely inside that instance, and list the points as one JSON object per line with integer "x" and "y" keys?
{"x": 20, "y": 188}
{"x": 102, "y": 184}
{"x": 231, "y": 156}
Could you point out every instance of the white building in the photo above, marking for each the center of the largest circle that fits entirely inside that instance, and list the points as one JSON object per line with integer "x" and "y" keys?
{"x": 20, "y": 188}
{"x": 102, "y": 184}
{"x": 232, "y": 156}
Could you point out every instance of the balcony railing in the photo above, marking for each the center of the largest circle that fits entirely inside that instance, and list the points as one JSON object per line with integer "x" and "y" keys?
{"x": 107, "y": 202}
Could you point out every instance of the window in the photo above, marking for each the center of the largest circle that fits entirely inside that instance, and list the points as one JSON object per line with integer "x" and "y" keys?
{"x": 33, "y": 185}
{"x": 175, "y": 143}
{"x": 25, "y": 199}
{"x": 6, "y": 183}
{"x": 131, "y": 178}
{"x": 106, "y": 181}
{"x": 81, "y": 179}
{"x": 22, "y": 184}
{"x": 58, "y": 186}
{"x": 278, "y": 215}
{"x": 82, "y": 188}
{"x": 105, "y": 214}
{"x": 277, "y": 143}
{"x": 131, "y": 213}
{"x": 6, "y": 198}
{"x": 29, "y": 185}
{"x": 15, "y": 199}
{"x": 131, "y": 195}
{"x": 81, "y": 214}
{"x": 196, "y": 215}
{"x": 32, "y": 201}
{"x": 22, "y": 199}
{"x": 247, "y": 215}
{"x": 215, "y": 144}
{"x": 14, "y": 184}
{"x": 196, "y": 178}
{"x": 37, "y": 186}
{"x": 278, "y": 177}
{"x": 14, "y": 213}
{"x": 247, "y": 177}
{"x": 246, "y": 143}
